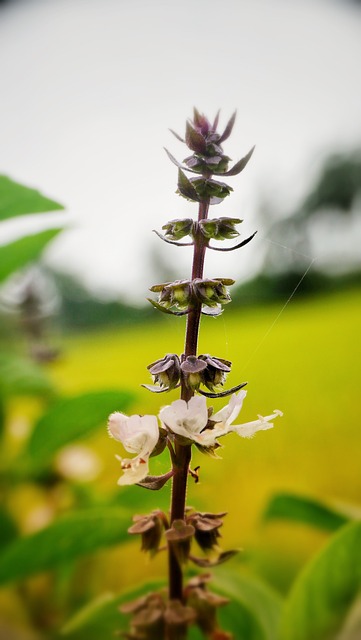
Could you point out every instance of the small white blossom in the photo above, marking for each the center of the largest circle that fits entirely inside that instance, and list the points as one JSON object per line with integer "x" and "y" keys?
{"x": 138, "y": 434}
{"x": 229, "y": 413}
{"x": 186, "y": 419}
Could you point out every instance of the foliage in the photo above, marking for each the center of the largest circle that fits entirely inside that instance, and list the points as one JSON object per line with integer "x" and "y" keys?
{"x": 69, "y": 419}
{"x": 70, "y": 537}
{"x": 288, "y": 506}
{"x": 18, "y": 200}
{"x": 323, "y": 601}
{"x": 59, "y": 422}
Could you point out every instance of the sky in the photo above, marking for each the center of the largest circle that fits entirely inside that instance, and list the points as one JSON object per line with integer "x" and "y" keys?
{"x": 90, "y": 88}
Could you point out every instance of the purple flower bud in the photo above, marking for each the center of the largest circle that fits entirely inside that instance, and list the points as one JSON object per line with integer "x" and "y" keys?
{"x": 150, "y": 527}
{"x": 166, "y": 371}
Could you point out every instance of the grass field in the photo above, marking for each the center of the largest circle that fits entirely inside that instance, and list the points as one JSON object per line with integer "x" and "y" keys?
{"x": 305, "y": 362}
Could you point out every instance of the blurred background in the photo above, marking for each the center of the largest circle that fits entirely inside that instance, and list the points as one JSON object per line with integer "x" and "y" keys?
{"x": 89, "y": 90}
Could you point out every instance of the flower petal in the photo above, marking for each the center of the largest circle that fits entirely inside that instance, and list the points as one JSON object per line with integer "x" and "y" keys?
{"x": 248, "y": 429}
{"x": 138, "y": 434}
{"x": 230, "y": 412}
{"x": 186, "y": 419}
{"x": 134, "y": 470}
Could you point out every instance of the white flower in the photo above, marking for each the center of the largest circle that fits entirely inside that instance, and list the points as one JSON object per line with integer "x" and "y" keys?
{"x": 229, "y": 413}
{"x": 186, "y": 419}
{"x": 190, "y": 420}
{"x": 138, "y": 434}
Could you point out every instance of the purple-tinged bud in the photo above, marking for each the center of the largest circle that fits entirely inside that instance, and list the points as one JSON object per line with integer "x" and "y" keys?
{"x": 166, "y": 371}
{"x": 178, "y": 615}
{"x": 206, "y": 527}
{"x": 173, "y": 294}
{"x": 180, "y": 537}
{"x": 215, "y": 372}
{"x": 150, "y": 527}
{"x": 193, "y": 369}
{"x": 147, "y": 621}
{"x": 205, "y": 604}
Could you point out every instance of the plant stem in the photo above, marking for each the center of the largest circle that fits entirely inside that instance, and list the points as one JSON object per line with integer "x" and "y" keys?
{"x": 184, "y": 453}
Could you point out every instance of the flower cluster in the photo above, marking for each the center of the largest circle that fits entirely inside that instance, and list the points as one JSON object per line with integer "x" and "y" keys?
{"x": 185, "y": 294}
{"x": 207, "y": 159}
{"x": 182, "y": 422}
{"x": 170, "y": 371}
{"x": 152, "y": 613}
{"x": 217, "y": 228}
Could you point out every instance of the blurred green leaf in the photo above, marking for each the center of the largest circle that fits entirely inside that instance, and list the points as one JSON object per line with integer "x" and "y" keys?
{"x": 19, "y": 376}
{"x": 19, "y": 253}
{"x": 321, "y": 602}
{"x": 8, "y": 528}
{"x": 69, "y": 419}
{"x": 288, "y": 506}
{"x": 254, "y": 610}
{"x": 128, "y": 496}
{"x": 65, "y": 540}
{"x": 101, "y": 617}
{"x": 17, "y": 200}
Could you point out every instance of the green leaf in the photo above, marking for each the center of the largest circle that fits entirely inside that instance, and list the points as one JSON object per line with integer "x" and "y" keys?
{"x": 185, "y": 187}
{"x": 19, "y": 376}
{"x": 19, "y": 253}
{"x": 288, "y": 506}
{"x": 17, "y": 200}
{"x": 240, "y": 165}
{"x": 254, "y": 610}
{"x": 63, "y": 541}
{"x": 321, "y": 603}
{"x": 70, "y": 419}
{"x": 8, "y": 528}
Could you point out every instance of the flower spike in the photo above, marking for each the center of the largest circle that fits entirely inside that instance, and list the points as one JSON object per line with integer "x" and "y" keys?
{"x": 188, "y": 422}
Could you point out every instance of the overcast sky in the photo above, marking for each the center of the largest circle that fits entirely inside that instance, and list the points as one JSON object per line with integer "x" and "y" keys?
{"x": 90, "y": 87}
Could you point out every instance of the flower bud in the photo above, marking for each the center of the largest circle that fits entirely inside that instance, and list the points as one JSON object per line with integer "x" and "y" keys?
{"x": 166, "y": 371}
{"x": 180, "y": 537}
{"x": 147, "y": 621}
{"x": 219, "y": 228}
{"x": 215, "y": 163}
{"x": 215, "y": 372}
{"x": 212, "y": 292}
{"x": 206, "y": 527}
{"x": 205, "y": 604}
{"x": 177, "y": 229}
{"x": 178, "y": 616}
{"x": 192, "y": 369}
{"x": 213, "y": 190}
{"x": 150, "y": 527}
{"x": 177, "y": 293}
